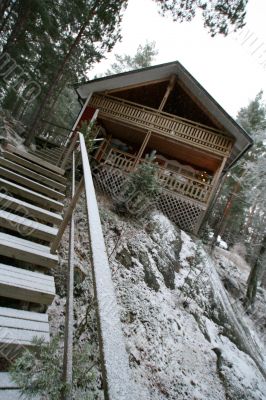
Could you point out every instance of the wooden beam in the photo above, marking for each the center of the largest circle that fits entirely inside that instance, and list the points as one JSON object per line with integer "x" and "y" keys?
{"x": 102, "y": 149}
{"x": 170, "y": 87}
{"x": 216, "y": 178}
{"x": 215, "y": 182}
{"x": 148, "y": 134}
{"x": 217, "y": 124}
{"x": 78, "y": 119}
{"x": 141, "y": 150}
{"x": 67, "y": 216}
{"x": 117, "y": 381}
{"x": 69, "y": 319}
{"x": 70, "y": 149}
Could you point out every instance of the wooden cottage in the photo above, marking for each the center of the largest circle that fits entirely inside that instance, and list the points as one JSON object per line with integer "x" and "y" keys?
{"x": 163, "y": 108}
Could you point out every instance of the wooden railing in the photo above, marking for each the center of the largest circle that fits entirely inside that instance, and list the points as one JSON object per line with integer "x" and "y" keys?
{"x": 117, "y": 380}
{"x": 170, "y": 180}
{"x": 169, "y": 125}
{"x": 120, "y": 159}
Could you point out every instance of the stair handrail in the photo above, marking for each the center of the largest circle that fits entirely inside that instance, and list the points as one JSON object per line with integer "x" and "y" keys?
{"x": 118, "y": 384}
{"x": 117, "y": 380}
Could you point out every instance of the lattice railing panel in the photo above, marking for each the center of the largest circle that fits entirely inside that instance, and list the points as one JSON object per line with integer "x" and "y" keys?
{"x": 183, "y": 212}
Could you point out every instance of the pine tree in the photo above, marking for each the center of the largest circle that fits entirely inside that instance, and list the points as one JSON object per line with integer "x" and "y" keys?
{"x": 138, "y": 193}
{"x": 144, "y": 57}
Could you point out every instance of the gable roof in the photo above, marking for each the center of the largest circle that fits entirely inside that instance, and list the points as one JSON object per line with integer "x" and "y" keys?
{"x": 242, "y": 140}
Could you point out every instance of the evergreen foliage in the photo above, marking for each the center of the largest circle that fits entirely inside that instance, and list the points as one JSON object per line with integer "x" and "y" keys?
{"x": 140, "y": 188}
{"x": 144, "y": 57}
{"x": 38, "y": 371}
{"x": 219, "y": 16}
{"x": 252, "y": 118}
{"x": 241, "y": 204}
{"x": 53, "y": 44}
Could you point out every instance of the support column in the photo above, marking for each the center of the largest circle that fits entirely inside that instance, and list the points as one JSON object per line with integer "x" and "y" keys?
{"x": 101, "y": 151}
{"x": 141, "y": 150}
{"x": 216, "y": 180}
{"x": 170, "y": 87}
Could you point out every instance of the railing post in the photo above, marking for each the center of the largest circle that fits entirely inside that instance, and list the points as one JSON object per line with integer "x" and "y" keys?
{"x": 67, "y": 216}
{"x": 68, "y": 340}
{"x": 69, "y": 150}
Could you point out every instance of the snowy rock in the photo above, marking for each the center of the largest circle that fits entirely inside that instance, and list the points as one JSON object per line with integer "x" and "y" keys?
{"x": 178, "y": 308}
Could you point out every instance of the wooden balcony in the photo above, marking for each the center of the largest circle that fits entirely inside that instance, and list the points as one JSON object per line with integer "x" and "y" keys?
{"x": 175, "y": 182}
{"x": 168, "y": 125}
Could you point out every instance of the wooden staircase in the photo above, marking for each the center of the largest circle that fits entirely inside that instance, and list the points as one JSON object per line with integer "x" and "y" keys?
{"x": 31, "y": 200}
{"x": 52, "y": 155}
{"x": 31, "y": 227}
{"x": 49, "y": 155}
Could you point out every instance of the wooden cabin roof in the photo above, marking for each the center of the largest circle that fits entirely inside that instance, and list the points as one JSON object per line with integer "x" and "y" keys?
{"x": 161, "y": 73}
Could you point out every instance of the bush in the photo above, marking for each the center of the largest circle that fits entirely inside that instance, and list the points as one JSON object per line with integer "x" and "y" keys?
{"x": 38, "y": 371}
{"x": 140, "y": 189}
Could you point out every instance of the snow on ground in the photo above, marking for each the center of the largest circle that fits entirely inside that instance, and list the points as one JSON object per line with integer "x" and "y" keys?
{"x": 180, "y": 343}
{"x": 222, "y": 243}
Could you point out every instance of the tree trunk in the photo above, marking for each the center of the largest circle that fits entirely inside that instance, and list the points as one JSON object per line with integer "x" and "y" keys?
{"x": 254, "y": 277}
{"x": 18, "y": 28}
{"x": 58, "y": 76}
{"x": 223, "y": 221}
{"x": 51, "y": 108}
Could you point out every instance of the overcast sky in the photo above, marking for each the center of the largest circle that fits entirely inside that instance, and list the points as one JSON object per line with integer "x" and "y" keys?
{"x": 232, "y": 68}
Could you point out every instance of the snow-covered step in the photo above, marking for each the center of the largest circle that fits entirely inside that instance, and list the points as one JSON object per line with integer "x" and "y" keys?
{"x": 19, "y": 327}
{"x": 25, "y": 250}
{"x": 21, "y": 284}
{"x": 29, "y": 183}
{"x": 50, "y": 157}
{"x": 28, "y": 194}
{"x": 27, "y": 227}
{"x": 34, "y": 167}
{"x": 36, "y": 160}
{"x": 12, "y": 203}
{"x": 31, "y": 174}
{"x": 9, "y": 390}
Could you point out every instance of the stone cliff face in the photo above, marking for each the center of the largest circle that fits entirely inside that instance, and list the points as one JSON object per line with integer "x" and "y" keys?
{"x": 177, "y": 307}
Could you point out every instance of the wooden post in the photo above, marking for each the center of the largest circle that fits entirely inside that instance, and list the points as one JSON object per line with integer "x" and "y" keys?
{"x": 69, "y": 150}
{"x": 161, "y": 106}
{"x": 141, "y": 150}
{"x": 215, "y": 181}
{"x": 117, "y": 380}
{"x": 67, "y": 216}
{"x": 72, "y": 132}
{"x": 101, "y": 151}
{"x": 68, "y": 339}
{"x": 79, "y": 116}
{"x": 168, "y": 91}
